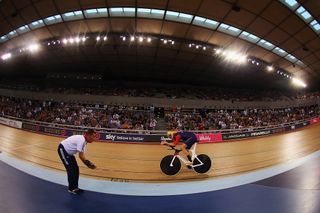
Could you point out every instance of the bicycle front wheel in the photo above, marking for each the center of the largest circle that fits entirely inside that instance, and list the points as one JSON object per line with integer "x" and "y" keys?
{"x": 166, "y": 166}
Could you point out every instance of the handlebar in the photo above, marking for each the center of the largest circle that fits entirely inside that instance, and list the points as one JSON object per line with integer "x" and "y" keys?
{"x": 173, "y": 148}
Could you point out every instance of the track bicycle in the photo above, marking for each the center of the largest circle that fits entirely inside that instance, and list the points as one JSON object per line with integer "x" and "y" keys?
{"x": 171, "y": 164}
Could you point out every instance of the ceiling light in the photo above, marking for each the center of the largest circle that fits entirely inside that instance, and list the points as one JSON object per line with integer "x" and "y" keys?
{"x": 298, "y": 82}
{"x": 33, "y": 47}
{"x": 218, "y": 51}
{"x": 6, "y": 56}
{"x": 270, "y": 68}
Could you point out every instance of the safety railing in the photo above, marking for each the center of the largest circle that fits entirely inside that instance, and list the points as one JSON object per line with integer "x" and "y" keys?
{"x": 161, "y": 132}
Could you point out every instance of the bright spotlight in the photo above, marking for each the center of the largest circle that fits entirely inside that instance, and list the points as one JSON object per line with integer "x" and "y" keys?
{"x": 105, "y": 38}
{"x": 149, "y": 39}
{"x": 71, "y": 40}
{"x": 204, "y": 48}
{"x": 140, "y": 39}
{"x": 197, "y": 46}
{"x": 172, "y": 42}
{"x": 65, "y": 41}
{"x": 132, "y": 38}
{"x": 77, "y": 39}
{"x": 270, "y": 68}
{"x": 234, "y": 56}
{"x": 83, "y": 39}
{"x": 6, "y": 56}
{"x": 190, "y": 45}
{"x": 218, "y": 51}
{"x": 241, "y": 59}
{"x": 98, "y": 38}
{"x": 298, "y": 82}
{"x": 165, "y": 41}
{"x": 230, "y": 55}
{"x": 33, "y": 47}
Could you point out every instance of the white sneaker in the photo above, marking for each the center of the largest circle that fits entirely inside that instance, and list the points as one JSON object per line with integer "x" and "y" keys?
{"x": 76, "y": 191}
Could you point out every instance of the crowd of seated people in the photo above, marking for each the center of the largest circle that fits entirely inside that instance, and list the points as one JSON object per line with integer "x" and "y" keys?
{"x": 117, "y": 117}
{"x": 237, "y": 119}
{"x": 144, "y": 118}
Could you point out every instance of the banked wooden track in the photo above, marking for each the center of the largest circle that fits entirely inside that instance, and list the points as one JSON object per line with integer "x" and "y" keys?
{"x": 140, "y": 163}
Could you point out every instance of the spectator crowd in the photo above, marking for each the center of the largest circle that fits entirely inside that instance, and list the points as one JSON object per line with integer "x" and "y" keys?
{"x": 144, "y": 117}
{"x": 204, "y": 119}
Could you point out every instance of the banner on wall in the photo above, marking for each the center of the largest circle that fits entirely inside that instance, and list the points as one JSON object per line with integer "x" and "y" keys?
{"x": 12, "y": 123}
{"x": 240, "y": 135}
{"x": 315, "y": 120}
{"x": 116, "y": 137}
{"x": 278, "y": 130}
{"x": 140, "y": 138}
{"x": 101, "y": 136}
{"x": 209, "y": 138}
{"x": 297, "y": 126}
{"x": 231, "y": 136}
{"x": 112, "y": 137}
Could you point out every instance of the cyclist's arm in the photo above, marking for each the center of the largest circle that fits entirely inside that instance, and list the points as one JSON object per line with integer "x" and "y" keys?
{"x": 174, "y": 142}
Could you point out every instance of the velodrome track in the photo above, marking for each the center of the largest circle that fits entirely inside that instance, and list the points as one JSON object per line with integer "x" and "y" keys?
{"x": 140, "y": 163}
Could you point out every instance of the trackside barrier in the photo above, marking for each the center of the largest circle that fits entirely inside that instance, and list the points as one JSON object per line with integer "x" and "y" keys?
{"x": 138, "y": 136}
{"x": 11, "y": 122}
{"x": 315, "y": 120}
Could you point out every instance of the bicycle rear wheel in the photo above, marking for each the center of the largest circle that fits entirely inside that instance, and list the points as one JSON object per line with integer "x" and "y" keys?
{"x": 205, "y": 159}
{"x": 165, "y": 165}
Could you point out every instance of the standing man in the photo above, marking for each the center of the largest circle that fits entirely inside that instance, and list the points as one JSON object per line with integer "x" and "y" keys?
{"x": 67, "y": 149}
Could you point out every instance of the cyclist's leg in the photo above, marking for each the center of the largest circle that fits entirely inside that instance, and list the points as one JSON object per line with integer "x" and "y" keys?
{"x": 187, "y": 145}
{"x": 185, "y": 151}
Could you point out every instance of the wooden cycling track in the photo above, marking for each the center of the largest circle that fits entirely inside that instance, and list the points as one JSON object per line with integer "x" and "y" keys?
{"x": 140, "y": 163}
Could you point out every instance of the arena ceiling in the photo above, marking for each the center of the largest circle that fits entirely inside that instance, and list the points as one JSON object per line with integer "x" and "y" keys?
{"x": 281, "y": 33}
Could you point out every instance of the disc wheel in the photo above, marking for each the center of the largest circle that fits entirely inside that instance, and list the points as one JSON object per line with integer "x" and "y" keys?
{"x": 165, "y": 165}
{"x": 206, "y": 163}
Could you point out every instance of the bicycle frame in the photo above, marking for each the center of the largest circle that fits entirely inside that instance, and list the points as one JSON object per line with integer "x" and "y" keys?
{"x": 193, "y": 156}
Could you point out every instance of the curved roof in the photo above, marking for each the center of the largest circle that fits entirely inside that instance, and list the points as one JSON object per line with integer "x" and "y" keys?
{"x": 282, "y": 33}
